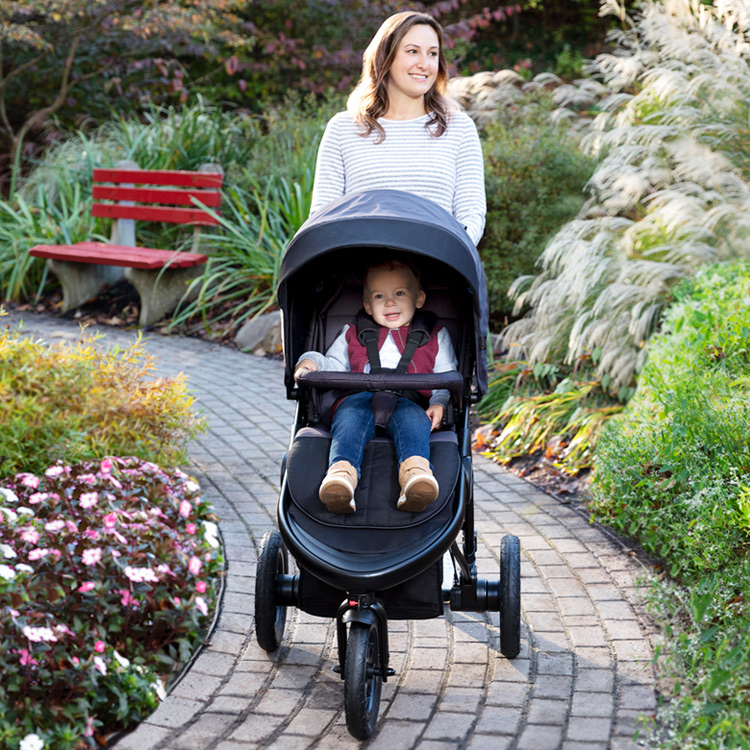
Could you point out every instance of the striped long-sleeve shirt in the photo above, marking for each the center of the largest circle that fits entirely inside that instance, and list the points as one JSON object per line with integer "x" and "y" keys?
{"x": 448, "y": 170}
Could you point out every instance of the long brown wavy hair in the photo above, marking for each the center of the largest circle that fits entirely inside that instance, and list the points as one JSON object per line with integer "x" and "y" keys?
{"x": 369, "y": 100}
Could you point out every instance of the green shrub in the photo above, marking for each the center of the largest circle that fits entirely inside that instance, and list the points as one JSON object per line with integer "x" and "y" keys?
{"x": 74, "y": 402}
{"x": 669, "y": 469}
{"x": 672, "y": 472}
{"x": 535, "y": 176}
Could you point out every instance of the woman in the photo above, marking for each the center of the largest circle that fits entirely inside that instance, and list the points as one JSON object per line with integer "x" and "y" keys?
{"x": 401, "y": 132}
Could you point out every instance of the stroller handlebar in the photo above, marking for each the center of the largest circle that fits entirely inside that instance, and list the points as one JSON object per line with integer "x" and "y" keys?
{"x": 359, "y": 381}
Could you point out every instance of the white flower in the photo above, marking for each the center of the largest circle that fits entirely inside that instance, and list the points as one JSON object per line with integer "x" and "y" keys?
{"x": 139, "y": 575}
{"x": 25, "y": 568}
{"x": 10, "y": 497}
{"x": 211, "y": 533}
{"x": 121, "y": 660}
{"x": 8, "y": 552}
{"x": 37, "y": 635}
{"x": 26, "y": 511}
{"x": 192, "y": 486}
{"x": 31, "y": 742}
{"x": 7, "y": 572}
{"x": 159, "y": 689}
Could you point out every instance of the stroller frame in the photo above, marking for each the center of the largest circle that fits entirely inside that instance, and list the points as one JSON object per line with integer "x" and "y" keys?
{"x": 362, "y": 614}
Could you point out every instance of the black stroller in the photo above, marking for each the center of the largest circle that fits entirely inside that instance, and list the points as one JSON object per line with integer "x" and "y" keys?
{"x": 379, "y": 563}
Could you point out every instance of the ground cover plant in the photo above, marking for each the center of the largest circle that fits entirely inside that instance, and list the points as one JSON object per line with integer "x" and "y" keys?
{"x": 76, "y": 401}
{"x": 672, "y": 471}
{"x": 107, "y": 572}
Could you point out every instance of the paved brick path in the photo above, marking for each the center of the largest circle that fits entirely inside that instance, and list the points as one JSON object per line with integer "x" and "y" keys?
{"x": 580, "y": 682}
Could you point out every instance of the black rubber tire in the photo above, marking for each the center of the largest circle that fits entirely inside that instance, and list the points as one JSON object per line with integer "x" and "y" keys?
{"x": 270, "y": 619}
{"x": 363, "y": 680}
{"x": 510, "y": 596}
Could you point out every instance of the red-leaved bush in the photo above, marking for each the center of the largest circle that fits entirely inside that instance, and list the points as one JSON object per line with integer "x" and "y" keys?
{"x": 106, "y": 581}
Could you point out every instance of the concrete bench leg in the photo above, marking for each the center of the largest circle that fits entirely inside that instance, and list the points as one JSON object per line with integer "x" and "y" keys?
{"x": 82, "y": 282}
{"x": 159, "y": 296}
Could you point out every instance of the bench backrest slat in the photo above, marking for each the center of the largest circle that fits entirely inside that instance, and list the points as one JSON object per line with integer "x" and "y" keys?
{"x": 174, "y": 177}
{"x": 136, "y": 198}
{"x": 156, "y": 195}
{"x": 173, "y": 215}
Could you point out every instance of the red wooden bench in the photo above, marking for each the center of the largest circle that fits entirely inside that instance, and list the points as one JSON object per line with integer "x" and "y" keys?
{"x": 127, "y": 194}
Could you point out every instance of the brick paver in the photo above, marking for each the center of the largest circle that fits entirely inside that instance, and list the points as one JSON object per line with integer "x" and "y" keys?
{"x": 584, "y": 673}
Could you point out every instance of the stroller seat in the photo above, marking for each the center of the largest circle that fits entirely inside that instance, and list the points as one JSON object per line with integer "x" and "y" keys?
{"x": 378, "y": 546}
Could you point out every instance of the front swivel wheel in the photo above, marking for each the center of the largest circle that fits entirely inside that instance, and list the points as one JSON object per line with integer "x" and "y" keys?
{"x": 363, "y": 679}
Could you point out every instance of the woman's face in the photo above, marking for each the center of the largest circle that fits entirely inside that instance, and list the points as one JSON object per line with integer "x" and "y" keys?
{"x": 415, "y": 65}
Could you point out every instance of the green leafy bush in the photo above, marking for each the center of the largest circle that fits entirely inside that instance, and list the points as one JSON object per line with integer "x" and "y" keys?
{"x": 105, "y": 585}
{"x": 672, "y": 472}
{"x": 72, "y": 401}
{"x": 535, "y": 178}
{"x": 670, "y": 469}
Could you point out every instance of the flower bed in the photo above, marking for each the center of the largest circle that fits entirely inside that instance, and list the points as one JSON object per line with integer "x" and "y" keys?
{"x": 106, "y": 572}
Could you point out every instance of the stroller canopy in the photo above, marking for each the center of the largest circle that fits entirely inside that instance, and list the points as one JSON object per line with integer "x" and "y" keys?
{"x": 389, "y": 220}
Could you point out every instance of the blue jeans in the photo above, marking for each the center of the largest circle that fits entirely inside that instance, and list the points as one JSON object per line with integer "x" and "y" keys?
{"x": 354, "y": 426}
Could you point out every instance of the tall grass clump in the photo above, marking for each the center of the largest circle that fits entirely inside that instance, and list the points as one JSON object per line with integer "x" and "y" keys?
{"x": 669, "y": 194}
{"x": 672, "y": 471}
{"x": 535, "y": 174}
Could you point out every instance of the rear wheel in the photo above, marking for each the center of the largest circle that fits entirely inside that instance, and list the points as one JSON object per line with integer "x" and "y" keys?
{"x": 270, "y": 618}
{"x": 363, "y": 680}
{"x": 510, "y": 596}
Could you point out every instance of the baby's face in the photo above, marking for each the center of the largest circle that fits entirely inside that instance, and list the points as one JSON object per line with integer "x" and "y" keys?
{"x": 392, "y": 297}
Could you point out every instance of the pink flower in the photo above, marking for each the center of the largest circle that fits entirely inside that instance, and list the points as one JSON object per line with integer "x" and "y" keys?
{"x": 200, "y": 587}
{"x": 195, "y": 565}
{"x": 64, "y": 629}
{"x": 54, "y": 471}
{"x": 105, "y": 467}
{"x": 29, "y": 480}
{"x": 91, "y": 534}
{"x": 190, "y": 528}
{"x": 75, "y": 660}
{"x": 89, "y": 730}
{"x": 30, "y": 535}
{"x": 110, "y": 521}
{"x": 177, "y": 601}
{"x": 88, "y": 499}
{"x": 92, "y": 556}
{"x": 126, "y": 598}
{"x": 71, "y": 526}
{"x": 26, "y": 658}
{"x": 86, "y": 586}
{"x": 100, "y": 665}
{"x": 38, "y": 497}
{"x": 164, "y": 568}
{"x": 201, "y": 604}
{"x": 185, "y": 508}
{"x": 99, "y": 646}
{"x": 38, "y": 635}
{"x": 55, "y": 525}
{"x": 87, "y": 478}
{"x": 39, "y": 553}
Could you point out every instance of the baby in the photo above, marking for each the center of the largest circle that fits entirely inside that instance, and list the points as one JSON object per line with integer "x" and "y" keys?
{"x": 392, "y": 296}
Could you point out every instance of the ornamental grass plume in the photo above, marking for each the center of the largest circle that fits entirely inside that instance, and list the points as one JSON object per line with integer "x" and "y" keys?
{"x": 98, "y": 601}
{"x": 670, "y": 194}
